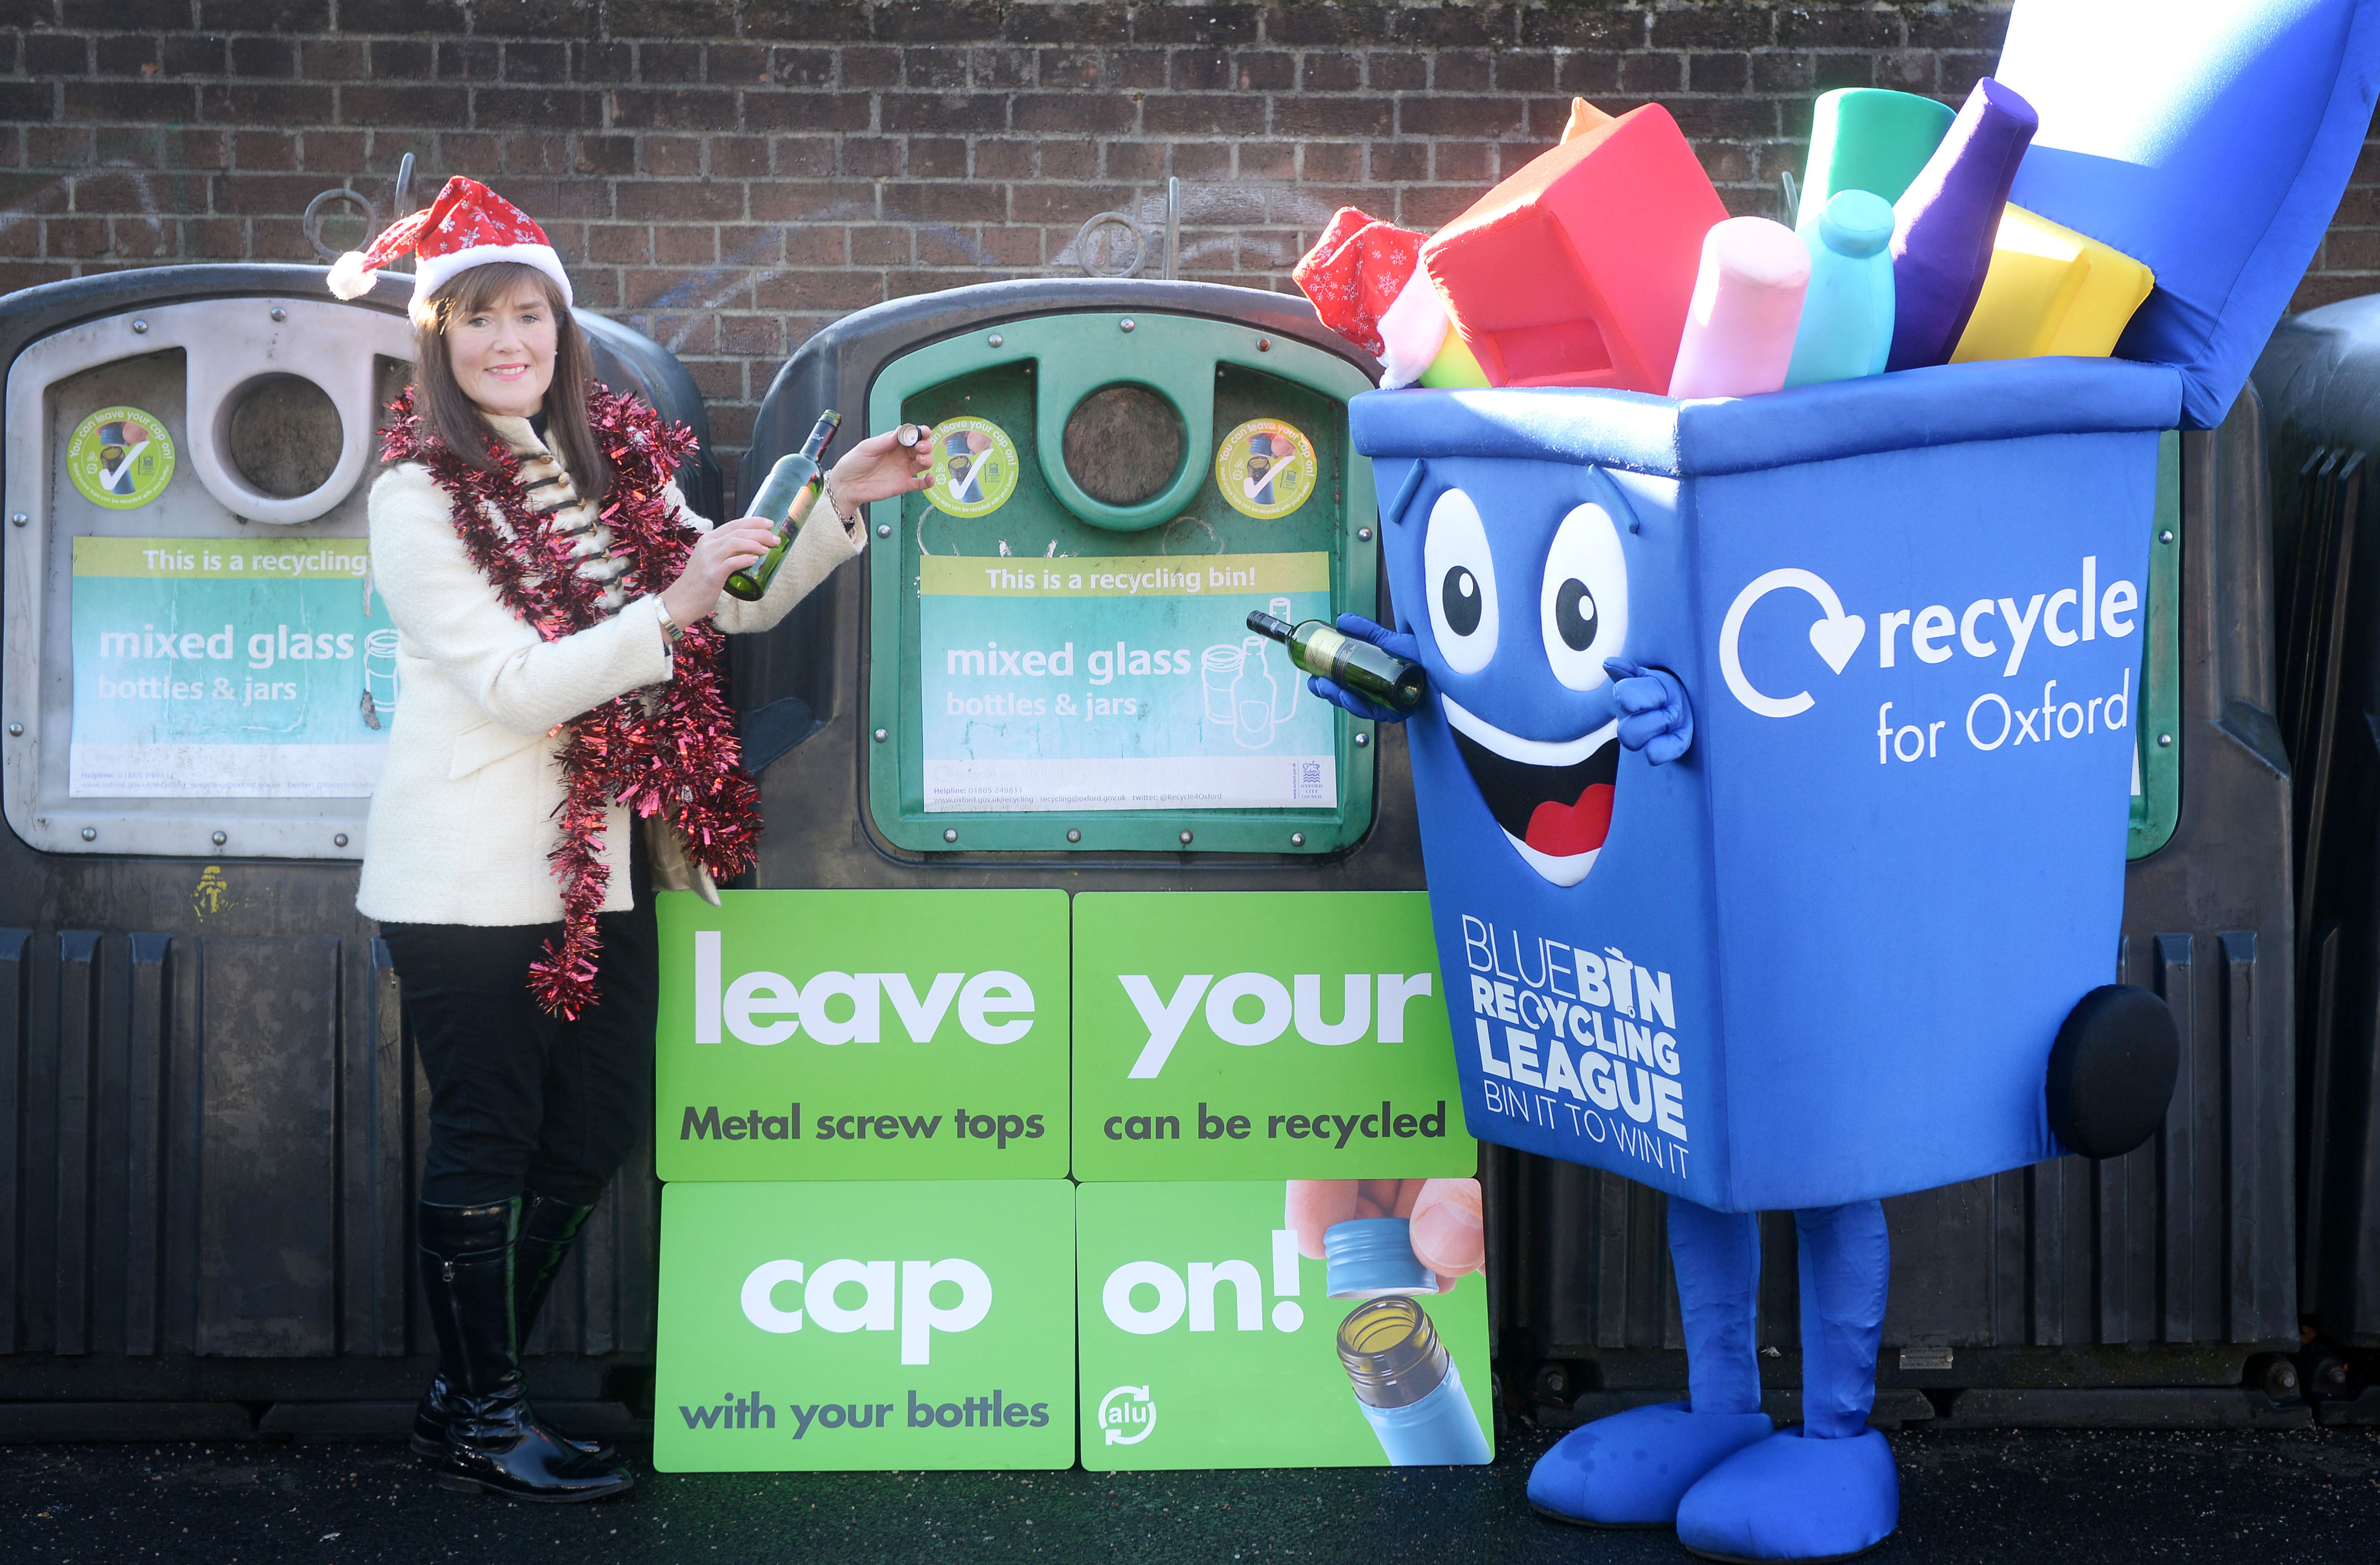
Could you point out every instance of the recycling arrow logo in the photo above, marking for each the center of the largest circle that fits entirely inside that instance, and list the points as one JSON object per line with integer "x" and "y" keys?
{"x": 1835, "y": 638}
{"x": 1127, "y": 1416}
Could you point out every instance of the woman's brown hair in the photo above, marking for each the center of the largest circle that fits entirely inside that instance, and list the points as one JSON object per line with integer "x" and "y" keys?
{"x": 452, "y": 415}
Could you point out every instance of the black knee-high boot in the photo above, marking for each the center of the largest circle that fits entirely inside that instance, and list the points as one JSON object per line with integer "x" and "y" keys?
{"x": 548, "y": 1228}
{"x": 493, "y": 1442}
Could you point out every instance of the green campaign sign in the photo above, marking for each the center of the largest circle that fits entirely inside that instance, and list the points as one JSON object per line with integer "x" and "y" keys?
{"x": 1209, "y": 1341}
{"x": 862, "y": 1035}
{"x": 865, "y": 1327}
{"x": 1233, "y": 1034}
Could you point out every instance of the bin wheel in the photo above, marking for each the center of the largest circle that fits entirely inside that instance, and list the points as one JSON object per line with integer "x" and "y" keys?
{"x": 2112, "y": 1072}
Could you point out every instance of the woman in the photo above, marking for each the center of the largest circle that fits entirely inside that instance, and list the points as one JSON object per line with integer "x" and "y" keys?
{"x": 563, "y": 747}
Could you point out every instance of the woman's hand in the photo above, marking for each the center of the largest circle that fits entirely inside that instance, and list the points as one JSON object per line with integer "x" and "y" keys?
{"x": 878, "y": 469}
{"x": 718, "y": 555}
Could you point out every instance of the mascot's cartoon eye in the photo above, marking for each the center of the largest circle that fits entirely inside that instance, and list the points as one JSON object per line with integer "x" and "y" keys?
{"x": 1462, "y": 576}
{"x": 1584, "y": 610}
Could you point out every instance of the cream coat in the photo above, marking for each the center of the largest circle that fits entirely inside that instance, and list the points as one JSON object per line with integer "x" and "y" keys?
{"x": 463, "y": 815}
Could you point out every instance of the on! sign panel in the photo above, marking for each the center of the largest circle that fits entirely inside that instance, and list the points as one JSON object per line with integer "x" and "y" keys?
{"x": 862, "y": 1035}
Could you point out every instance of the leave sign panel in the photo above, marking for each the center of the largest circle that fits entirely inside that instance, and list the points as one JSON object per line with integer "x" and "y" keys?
{"x": 862, "y": 1035}
{"x": 863, "y": 1326}
{"x": 1211, "y": 1339}
{"x": 1262, "y": 1035}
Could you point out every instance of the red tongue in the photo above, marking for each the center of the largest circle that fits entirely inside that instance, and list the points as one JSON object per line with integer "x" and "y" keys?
{"x": 1559, "y": 831}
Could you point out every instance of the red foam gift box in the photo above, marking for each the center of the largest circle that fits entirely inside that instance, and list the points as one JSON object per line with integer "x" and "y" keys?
{"x": 1577, "y": 271}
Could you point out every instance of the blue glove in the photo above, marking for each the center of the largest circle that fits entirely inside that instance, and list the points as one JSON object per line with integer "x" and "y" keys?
{"x": 1387, "y": 640}
{"x": 1659, "y": 722}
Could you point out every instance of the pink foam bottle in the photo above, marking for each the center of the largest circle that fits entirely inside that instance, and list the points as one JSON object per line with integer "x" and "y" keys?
{"x": 1745, "y": 310}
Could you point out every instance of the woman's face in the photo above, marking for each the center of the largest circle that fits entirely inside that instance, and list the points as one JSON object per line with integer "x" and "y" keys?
{"x": 504, "y": 355}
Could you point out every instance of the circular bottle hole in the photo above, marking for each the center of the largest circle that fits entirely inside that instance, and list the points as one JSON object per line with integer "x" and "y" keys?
{"x": 1124, "y": 445}
{"x": 284, "y": 435}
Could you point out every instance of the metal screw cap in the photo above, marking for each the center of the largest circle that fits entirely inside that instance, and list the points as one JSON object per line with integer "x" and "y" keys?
{"x": 1074, "y": 836}
{"x": 950, "y": 835}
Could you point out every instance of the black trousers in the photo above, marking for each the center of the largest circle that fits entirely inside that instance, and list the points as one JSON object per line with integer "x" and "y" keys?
{"x": 520, "y": 1100}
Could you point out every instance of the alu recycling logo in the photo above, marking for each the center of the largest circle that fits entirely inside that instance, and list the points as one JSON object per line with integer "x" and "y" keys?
{"x": 1127, "y": 1416}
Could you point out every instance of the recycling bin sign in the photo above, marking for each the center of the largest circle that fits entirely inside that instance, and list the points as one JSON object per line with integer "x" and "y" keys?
{"x": 1823, "y": 956}
{"x": 1060, "y": 656}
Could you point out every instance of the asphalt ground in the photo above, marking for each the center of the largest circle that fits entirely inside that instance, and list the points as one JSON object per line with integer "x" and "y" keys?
{"x": 1967, "y": 1496}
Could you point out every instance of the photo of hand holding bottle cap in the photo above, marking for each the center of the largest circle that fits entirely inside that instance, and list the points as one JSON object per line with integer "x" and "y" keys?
{"x": 1388, "y": 1235}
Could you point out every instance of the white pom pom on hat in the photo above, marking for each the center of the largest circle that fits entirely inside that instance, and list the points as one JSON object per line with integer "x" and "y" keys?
{"x": 467, "y": 225}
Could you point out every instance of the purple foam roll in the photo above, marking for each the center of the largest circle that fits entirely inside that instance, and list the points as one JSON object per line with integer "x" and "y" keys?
{"x": 1943, "y": 226}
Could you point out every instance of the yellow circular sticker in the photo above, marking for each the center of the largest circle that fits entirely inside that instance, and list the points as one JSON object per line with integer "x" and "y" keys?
{"x": 1265, "y": 469}
{"x": 975, "y": 467}
{"x": 120, "y": 457}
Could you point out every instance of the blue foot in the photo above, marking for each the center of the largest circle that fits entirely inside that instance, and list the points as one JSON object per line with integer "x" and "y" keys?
{"x": 1791, "y": 1499}
{"x": 1631, "y": 1469}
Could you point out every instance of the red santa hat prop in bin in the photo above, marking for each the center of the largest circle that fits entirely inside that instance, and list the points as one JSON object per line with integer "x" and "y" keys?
{"x": 1365, "y": 281}
{"x": 467, "y": 225}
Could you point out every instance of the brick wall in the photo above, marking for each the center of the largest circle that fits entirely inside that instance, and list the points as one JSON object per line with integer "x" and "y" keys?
{"x": 728, "y": 175}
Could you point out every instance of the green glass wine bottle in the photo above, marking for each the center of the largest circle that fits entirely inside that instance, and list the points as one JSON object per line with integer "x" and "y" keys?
{"x": 785, "y": 500}
{"x": 1320, "y": 648}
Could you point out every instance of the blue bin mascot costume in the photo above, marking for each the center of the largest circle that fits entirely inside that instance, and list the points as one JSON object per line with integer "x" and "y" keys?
{"x": 1775, "y": 771}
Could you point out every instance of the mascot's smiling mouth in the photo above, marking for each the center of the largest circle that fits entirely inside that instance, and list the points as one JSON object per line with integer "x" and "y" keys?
{"x": 1552, "y": 797}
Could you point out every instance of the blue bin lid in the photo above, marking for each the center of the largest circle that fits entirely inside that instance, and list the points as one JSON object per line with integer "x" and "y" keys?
{"x": 1944, "y": 405}
{"x": 2209, "y": 139}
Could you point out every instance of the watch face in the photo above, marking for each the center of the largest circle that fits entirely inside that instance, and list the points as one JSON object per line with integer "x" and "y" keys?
{"x": 120, "y": 457}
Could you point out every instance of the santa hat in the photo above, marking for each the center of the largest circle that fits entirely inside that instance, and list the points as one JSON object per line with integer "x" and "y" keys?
{"x": 467, "y": 225}
{"x": 1366, "y": 280}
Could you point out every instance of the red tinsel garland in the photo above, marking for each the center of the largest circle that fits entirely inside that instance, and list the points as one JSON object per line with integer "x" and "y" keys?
{"x": 673, "y": 751}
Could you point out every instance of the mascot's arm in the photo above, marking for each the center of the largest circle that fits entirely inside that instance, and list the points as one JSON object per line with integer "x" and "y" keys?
{"x": 1660, "y": 721}
{"x": 1387, "y": 640}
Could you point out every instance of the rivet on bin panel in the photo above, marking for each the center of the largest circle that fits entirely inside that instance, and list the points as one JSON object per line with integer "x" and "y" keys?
{"x": 1364, "y": 533}
{"x": 2166, "y": 536}
{"x": 1264, "y": 344}
{"x": 2164, "y": 740}
{"x": 219, "y": 839}
{"x": 19, "y": 518}
{"x": 994, "y": 339}
{"x": 1297, "y": 838}
{"x": 140, "y": 328}
{"x": 882, "y": 735}
{"x": 1127, "y": 324}
{"x": 1361, "y": 740}
{"x": 279, "y": 313}
{"x": 15, "y": 731}
{"x": 1186, "y": 838}
{"x": 90, "y": 833}
{"x": 340, "y": 841}
{"x": 950, "y": 835}
{"x": 884, "y": 529}
{"x": 1073, "y": 835}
